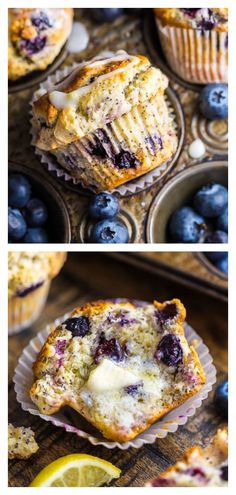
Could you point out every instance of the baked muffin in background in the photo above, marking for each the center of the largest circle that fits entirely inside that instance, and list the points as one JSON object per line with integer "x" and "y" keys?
{"x": 121, "y": 365}
{"x": 199, "y": 467}
{"x": 29, "y": 279}
{"x": 36, "y": 37}
{"x": 195, "y": 42}
{"x": 108, "y": 121}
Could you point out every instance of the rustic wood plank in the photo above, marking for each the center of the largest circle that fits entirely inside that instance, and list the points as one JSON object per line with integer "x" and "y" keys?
{"x": 88, "y": 276}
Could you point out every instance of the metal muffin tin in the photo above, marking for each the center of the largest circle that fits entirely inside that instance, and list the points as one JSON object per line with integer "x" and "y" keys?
{"x": 178, "y": 192}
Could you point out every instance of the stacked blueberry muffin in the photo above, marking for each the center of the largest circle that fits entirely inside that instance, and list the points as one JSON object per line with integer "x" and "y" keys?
{"x": 36, "y": 37}
{"x": 195, "y": 42}
{"x": 29, "y": 278}
{"x": 107, "y": 122}
{"x": 208, "y": 467}
{"x": 121, "y": 365}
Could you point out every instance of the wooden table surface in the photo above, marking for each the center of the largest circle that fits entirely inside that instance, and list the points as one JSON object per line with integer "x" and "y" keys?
{"x": 88, "y": 276}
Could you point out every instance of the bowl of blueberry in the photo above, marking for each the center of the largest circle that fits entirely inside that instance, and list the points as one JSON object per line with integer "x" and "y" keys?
{"x": 36, "y": 211}
{"x": 192, "y": 207}
{"x": 216, "y": 262}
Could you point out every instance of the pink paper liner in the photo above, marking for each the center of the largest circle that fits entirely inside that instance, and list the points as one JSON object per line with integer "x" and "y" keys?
{"x": 23, "y": 379}
{"x": 131, "y": 187}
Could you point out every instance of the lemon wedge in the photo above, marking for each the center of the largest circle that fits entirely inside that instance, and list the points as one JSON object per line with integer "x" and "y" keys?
{"x": 77, "y": 470}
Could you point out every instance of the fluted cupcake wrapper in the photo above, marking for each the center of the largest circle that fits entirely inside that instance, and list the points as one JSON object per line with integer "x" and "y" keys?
{"x": 72, "y": 422}
{"x": 24, "y": 311}
{"x": 196, "y": 56}
{"x": 121, "y": 132}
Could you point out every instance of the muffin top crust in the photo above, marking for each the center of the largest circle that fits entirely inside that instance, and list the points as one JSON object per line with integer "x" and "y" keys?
{"x": 26, "y": 269}
{"x": 95, "y": 93}
{"x": 195, "y": 18}
{"x": 35, "y": 38}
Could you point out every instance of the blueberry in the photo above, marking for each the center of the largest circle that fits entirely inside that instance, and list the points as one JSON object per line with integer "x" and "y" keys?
{"x": 41, "y": 21}
{"x": 78, "y": 326}
{"x": 165, "y": 315}
{"x": 104, "y": 205}
{"x": 216, "y": 237}
{"x": 211, "y": 200}
{"x": 110, "y": 348}
{"x": 133, "y": 389}
{"x": 222, "y": 221}
{"x": 186, "y": 225}
{"x": 110, "y": 232}
{"x": 19, "y": 190}
{"x": 33, "y": 46}
{"x": 35, "y": 213}
{"x": 169, "y": 350}
{"x": 16, "y": 224}
{"x": 36, "y": 235}
{"x": 216, "y": 256}
{"x": 106, "y": 15}
{"x": 221, "y": 398}
{"x": 213, "y": 101}
{"x": 224, "y": 473}
{"x": 223, "y": 265}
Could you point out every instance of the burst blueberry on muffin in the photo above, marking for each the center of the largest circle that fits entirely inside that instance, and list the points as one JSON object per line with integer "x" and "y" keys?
{"x": 29, "y": 279}
{"x": 208, "y": 467}
{"x": 21, "y": 442}
{"x": 120, "y": 365}
{"x": 36, "y": 37}
{"x": 195, "y": 42}
{"x": 108, "y": 121}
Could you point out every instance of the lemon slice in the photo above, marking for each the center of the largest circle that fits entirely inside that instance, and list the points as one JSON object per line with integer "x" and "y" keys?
{"x": 77, "y": 470}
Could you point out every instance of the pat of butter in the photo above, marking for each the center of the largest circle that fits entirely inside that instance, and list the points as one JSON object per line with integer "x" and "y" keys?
{"x": 110, "y": 376}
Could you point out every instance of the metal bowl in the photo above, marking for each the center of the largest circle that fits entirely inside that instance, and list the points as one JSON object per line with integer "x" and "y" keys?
{"x": 178, "y": 192}
{"x": 58, "y": 223}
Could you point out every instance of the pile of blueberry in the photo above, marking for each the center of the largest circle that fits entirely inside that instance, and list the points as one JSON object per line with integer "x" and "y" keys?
{"x": 205, "y": 219}
{"x": 27, "y": 215}
{"x": 104, "y": 208}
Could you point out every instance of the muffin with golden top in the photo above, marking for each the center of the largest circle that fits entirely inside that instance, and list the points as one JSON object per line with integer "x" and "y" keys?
{"x": 29, "y": 279}
{"x": 195, "y": 42}
{"x": 36, "y": 37}
{"x": 108, "y": 121}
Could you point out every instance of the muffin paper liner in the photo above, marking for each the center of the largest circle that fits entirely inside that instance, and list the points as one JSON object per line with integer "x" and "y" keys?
{"x": 50, "y": 161}
{"x": 24, "y": 311}
{"x": 74, "y": 423}
{"x": 196, "y": 56}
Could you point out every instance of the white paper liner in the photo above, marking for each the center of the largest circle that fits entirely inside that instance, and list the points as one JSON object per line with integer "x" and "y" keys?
{"x": 131, "y": 187}
{"x": 23, "y": 379}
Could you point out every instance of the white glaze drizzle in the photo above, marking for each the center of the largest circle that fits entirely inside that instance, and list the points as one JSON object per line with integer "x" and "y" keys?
{"x": 61, "y": 100}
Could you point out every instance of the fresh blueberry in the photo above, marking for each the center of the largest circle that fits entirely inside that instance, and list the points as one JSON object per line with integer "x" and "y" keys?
{"x": 221, "y": 398}
{"x": 213, "y": 101}
{"x": 222, "y": 221}
{"x": 16, "y": 224}
{"x": 19, "y": 190}
{"x": 216, "y": 256}
{"x": 216, "y": 237}
{"x": 186, "y": 225}
{"x": 223, "y": 265}
{"x": 211, "y": 200}
{"x": 104, "y": 205}
{"x": 78, "y": 326}
{"x": 106, "y": 15}
{"x": 110, "y": 348}
{"x": 169, "y": 350}
{"x": 35, "y": 213}
{"x": 36, "y": 235}
{"x": 110, "y": 232}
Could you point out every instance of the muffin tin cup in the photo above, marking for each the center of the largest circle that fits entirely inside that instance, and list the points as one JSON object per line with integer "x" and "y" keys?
{"x": 24, "y": 311}
{"x": 72, "y": 422}
{"x": 132, "y": 187}
{"x": 195, "y": 56}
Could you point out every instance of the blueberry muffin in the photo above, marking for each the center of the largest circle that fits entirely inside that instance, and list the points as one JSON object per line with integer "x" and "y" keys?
{"x": 208, "y": 467}
{"x": 21, "y": 442}
{"x": 121, "y": 365}
{"x": 36, "y": 37}
{"x": 29, "y": 278}
{"x": 195, "y": 42}
{"x": 108, "y": 121}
